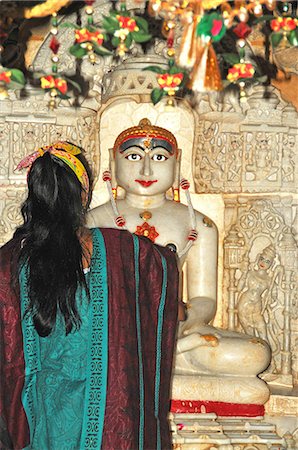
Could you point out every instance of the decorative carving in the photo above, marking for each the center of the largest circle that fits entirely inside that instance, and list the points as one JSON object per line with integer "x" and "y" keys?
{"x": 255, "y": 154}
{"x": 260, "y": 259}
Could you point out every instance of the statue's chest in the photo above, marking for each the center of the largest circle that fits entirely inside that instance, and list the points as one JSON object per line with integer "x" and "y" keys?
{"x": 159, "y": 228}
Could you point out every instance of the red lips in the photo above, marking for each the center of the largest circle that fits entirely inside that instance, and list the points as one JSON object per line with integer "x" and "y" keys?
{"x": 146, "y": 183}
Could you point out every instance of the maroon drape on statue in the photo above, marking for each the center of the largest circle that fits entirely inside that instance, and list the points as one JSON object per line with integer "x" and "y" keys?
{"x": 122, "y": 407}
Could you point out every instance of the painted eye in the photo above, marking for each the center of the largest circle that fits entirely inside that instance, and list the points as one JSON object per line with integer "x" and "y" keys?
{"x": 159, "y": 158}
{"x": 134, "y": 157}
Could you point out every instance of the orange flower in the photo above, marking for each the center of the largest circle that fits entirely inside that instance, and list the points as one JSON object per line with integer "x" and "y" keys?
{"x": 289, "y": 24}
{"x": 283, "y": 23}
{"x": 169, "y": 81}
{"x": 83, "y": 35}
{"x": 276, "y": 24}
{"x": 5, "y": 76}
{"x": 128, "y": 23}
{"x": 49, "y": 82}
{"x": 61, "y": 85}
{"x": 240, "y": 70}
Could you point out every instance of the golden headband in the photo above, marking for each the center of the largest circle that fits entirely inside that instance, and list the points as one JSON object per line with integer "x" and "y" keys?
{"x": 146, "y": 129}
{"x": 66, "y": 152}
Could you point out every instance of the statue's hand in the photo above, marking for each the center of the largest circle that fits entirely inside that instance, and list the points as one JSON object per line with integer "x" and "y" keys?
{"x": 190, "y": 342}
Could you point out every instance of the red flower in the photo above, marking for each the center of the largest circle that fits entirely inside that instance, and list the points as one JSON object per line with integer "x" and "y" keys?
{"x": 49, "y": 82}
{"x": 242, "y": 30}
{"x": 128, "y": 23}
{"x": 169, "y": 81}
{"x": 289, "y": 24}
{"x": 83, "y": 35}
{"x": 240, "y": 70}
{"x": 284, "y": 23}
{"x": 5, "y": 76}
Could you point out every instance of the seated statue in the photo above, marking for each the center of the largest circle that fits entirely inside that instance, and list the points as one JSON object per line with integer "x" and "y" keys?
{"x": 211, "y": 364}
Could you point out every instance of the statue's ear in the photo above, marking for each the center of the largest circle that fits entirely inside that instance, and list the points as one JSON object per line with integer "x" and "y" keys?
{"x": 176, "y": 184}
{"x": 178, "y": 157}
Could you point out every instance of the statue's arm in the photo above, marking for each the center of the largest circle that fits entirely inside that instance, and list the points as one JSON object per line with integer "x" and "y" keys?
{"x": 202, "y": 270}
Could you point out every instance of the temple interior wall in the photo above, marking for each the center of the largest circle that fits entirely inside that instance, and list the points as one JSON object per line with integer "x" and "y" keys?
{"x": 241, "y": 161}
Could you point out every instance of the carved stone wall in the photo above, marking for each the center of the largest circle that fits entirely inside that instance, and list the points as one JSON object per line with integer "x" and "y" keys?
{"x": 247, "y": 150}
{"x": 26, "y": 125}
{"x": 241, "y": 163}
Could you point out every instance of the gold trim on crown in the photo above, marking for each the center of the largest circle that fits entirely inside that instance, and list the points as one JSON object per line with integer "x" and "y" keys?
{"x": 145, "y": 128}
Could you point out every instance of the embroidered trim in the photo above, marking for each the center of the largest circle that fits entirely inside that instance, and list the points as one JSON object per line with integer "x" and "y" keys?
{"x": 31, "y": 353}
{"x": 139, "y": 342}
{"x": 158, "y": 347}
{"x": 97, "y": 358}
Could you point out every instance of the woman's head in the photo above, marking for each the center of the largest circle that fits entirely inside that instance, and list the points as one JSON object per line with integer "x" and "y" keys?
{"x": 58, "y": 197}
{"x": 58, "y": 185}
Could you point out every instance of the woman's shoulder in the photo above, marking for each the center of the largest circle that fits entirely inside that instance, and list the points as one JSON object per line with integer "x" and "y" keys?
{"x": 9, "y": 253}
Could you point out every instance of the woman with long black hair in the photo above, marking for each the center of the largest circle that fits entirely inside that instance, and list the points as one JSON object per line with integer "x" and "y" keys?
{"x": 88, "y": 322}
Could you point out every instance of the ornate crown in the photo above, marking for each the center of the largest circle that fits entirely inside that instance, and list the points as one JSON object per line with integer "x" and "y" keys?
{"x": 146, "y": 129}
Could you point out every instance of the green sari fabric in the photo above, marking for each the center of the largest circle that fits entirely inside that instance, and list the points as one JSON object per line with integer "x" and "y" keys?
{"x": 66, "y": 376}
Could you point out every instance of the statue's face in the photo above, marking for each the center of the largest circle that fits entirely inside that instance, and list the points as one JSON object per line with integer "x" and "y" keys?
{"x": 265, "y": 261}
{"x": 145, "y": 166}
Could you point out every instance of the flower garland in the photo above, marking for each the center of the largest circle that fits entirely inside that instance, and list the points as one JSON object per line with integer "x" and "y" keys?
{"x": 125, "y": 29}
{"x": 170, "y": 81}
{"x": 10, "y": 79}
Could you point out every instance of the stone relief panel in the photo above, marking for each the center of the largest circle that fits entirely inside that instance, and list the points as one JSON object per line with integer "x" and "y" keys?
{"x": 260, "y": 265}
{"x": 251, "y": 150}
{"x": 22, "y": 134}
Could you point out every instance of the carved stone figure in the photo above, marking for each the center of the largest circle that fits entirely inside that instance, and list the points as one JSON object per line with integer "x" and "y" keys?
{"x": 145, "y": 163}
{"x": 255, "y": 287}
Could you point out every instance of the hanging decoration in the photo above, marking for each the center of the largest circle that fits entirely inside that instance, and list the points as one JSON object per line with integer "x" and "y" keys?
{"x": 55, "y": 83}
{"x": 197, "y": 62}
{"x": 10, "y": 79}
{"x": 202, "y": 28}
{"x": 89, "y": 39}
{"x": 45, "y": 9}
{"x": 285, "y": 29}
{"x": 170, "y": 81}
{"x": 125, "y": 29}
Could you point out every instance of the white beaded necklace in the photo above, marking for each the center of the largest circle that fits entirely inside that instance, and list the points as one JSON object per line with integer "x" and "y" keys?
{"x": 121, "y": 222}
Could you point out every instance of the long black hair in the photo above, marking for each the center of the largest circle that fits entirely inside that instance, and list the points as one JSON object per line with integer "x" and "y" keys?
{"x": 53, "y": 214}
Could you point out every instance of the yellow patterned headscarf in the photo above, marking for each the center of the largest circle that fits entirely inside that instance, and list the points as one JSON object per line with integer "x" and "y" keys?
{"x": 67, "y": 153}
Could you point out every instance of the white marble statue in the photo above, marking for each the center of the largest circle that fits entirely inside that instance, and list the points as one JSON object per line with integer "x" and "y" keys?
{"x": 211, "y": 364}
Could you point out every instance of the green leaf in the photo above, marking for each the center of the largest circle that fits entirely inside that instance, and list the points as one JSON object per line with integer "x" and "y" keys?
{"x": 63, "y": 96}
{"x": 156, "y": 95}
{"x": 128, "y": 40}
{"x": 175, "y": 69}
{"x": 111, "y": 20}
{"x": 100, "y": 50}
{"x": 142, "y": 23}
{"x": 18, "y": 76}
{"x": 14, "y": 85}
{"x": 293, "y": 37}
{"x": 155, "y": 69}
{"x": 77, "y": 51}
{"x": 241, "y": 53}
{"x": 70, "y": 25}
{"x": 115, "y": 41}
{"x": 110, "y": 24}
{"x": 139, "y": 37}
{"x": 231, "y": 58}
{"x": 276, "y": 38}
